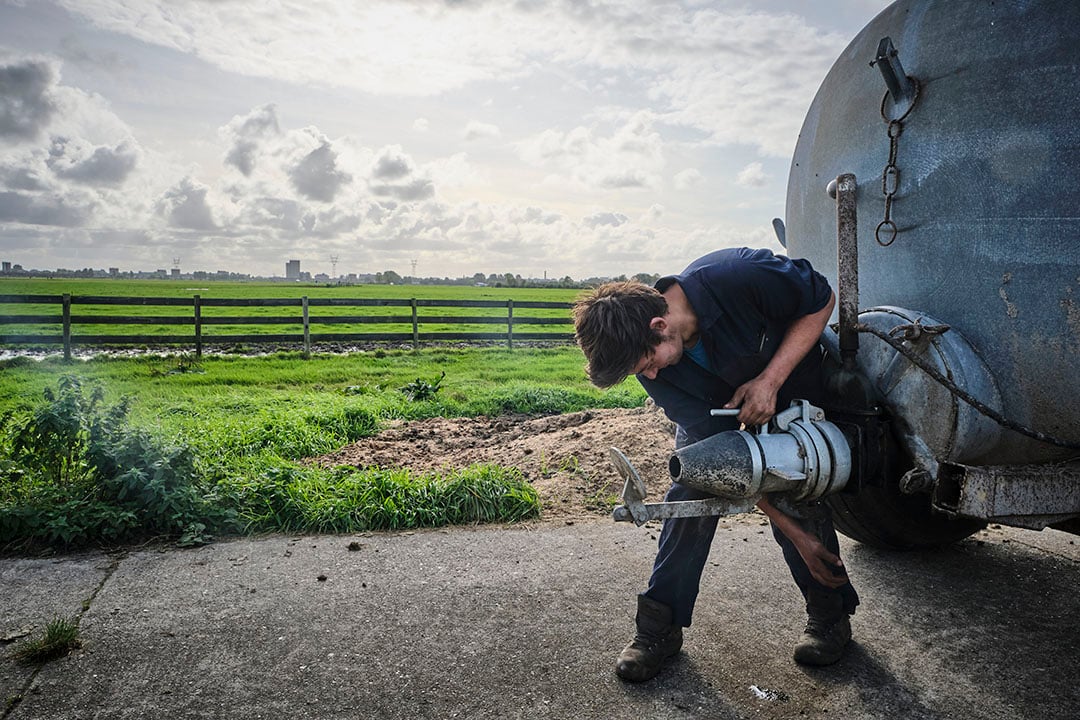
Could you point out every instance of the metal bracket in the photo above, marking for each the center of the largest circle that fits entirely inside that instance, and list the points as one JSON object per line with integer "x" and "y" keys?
{"x": 639, "y": 512}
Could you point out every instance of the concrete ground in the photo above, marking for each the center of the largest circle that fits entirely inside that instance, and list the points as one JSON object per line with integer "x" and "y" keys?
{"x": 525, "y": 622}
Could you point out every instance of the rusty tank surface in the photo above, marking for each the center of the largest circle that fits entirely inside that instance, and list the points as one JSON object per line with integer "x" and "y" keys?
{"x": 936, "y": 182}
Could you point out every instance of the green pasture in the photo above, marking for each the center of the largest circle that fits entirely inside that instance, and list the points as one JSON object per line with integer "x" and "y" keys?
{"x": 229, "y": 289}
{"x": 110, "y": 449}
{"x": 210, "y": 290}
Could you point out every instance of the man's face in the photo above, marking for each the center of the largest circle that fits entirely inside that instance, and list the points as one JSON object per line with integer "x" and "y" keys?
{"x": 668, "y": 352}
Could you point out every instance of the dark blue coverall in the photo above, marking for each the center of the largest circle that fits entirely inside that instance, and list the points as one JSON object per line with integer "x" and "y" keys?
{"x": 744, "y": 301}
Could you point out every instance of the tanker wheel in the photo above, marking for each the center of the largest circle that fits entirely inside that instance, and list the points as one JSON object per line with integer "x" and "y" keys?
{"x": 884, "y": 517}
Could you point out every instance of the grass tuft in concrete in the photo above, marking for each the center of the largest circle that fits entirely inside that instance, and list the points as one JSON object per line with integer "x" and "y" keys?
{"x": 61, "y": 636}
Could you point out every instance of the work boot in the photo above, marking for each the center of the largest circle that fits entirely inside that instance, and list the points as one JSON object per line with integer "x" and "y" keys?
{"x": 654, "y": 642}
{"x": 828, "y": 630}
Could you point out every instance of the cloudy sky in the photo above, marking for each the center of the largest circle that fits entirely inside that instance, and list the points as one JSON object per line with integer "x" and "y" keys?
{"x": 557, "y": 137}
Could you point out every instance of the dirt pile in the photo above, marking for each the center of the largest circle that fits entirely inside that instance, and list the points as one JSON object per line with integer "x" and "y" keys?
{"x": 565, "y": 457}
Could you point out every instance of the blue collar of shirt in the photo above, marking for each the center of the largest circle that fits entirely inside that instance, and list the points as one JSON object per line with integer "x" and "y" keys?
{"x": 698, "y": 354}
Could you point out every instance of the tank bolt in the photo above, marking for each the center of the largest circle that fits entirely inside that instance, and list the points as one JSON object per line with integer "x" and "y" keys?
{"x": 916, "y": 481}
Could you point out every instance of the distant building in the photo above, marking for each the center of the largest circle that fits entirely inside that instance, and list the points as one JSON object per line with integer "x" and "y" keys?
{"x": 114, "y": 272}
{"x": 176, "y": 272}
{"x": 292, "y": 270}
{"x": 6, "y": 266}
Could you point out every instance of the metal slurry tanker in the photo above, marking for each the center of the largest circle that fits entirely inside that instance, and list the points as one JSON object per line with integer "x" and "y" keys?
{"x": 936, "y": 182}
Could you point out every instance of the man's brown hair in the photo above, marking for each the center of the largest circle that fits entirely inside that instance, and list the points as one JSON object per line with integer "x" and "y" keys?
{"x": 611, "y": 324}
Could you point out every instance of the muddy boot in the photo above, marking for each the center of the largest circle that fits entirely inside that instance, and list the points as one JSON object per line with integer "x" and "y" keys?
{"x": 654, "y": 642}
{"x": 828, "y": 630}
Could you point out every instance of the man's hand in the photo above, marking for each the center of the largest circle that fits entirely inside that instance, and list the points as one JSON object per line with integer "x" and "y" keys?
{"x": 756, "y": 400}
{"x": 824, "y": 566}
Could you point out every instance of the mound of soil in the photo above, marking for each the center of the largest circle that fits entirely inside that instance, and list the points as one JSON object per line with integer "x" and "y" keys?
{"x": 565, "y": 457}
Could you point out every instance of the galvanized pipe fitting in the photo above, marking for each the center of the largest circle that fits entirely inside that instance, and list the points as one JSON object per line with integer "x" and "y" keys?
{"x": 800, "y": 453}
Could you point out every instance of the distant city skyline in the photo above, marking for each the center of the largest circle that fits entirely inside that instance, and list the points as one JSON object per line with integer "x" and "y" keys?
{"x": 581, "y": 138}
{"x": 294, "y": 273}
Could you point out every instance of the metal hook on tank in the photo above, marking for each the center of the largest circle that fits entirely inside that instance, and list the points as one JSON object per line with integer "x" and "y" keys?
{"x": 903, "y": 89}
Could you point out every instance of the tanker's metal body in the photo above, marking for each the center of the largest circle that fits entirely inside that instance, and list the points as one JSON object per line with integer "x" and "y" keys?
{"x": 988, "y": 201}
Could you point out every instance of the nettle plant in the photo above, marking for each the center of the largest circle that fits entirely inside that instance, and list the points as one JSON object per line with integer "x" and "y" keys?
{"x": 78, "y": 472}
{"x": 54, "y": 440}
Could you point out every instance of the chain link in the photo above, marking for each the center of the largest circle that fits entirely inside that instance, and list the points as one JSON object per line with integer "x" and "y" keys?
{"x": 886, "y": 230}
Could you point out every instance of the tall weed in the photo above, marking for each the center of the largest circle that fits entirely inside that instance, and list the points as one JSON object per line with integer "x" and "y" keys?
{"x": 85, "y": 475}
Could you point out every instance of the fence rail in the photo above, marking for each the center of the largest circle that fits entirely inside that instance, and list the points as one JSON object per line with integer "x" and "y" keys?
{"x": 415, "y": 321}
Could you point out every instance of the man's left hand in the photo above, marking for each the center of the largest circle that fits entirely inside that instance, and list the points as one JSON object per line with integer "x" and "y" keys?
{"x": 825, "y": 567}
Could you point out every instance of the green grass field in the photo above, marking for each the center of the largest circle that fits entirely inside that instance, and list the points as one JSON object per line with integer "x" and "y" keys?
{"x": 111, "y": 449}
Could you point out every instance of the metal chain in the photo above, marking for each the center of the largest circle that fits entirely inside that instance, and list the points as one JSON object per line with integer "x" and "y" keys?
{"x": 890, "y": 176}
{"x": 899, "y": 346}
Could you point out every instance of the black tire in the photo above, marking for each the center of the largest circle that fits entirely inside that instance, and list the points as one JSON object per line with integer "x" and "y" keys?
{"x": 883, "y": 517}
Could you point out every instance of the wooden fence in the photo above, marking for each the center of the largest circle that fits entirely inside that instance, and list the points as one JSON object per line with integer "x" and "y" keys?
{"x": 69, "y": 321}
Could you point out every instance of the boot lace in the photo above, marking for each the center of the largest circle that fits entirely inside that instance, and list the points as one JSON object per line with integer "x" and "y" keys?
{"x": 818, "y": 627}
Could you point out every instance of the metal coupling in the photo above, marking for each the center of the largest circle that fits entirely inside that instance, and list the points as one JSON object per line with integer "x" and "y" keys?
{"x": 799, "y": 453}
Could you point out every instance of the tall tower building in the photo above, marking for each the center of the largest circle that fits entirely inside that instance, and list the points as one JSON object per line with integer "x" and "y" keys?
{"x": 292, "y": 270}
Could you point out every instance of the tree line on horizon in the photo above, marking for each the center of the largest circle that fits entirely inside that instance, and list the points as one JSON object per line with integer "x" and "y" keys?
{"x": 386, "y": 277}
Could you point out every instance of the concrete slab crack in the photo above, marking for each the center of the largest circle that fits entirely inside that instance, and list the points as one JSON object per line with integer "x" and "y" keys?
{"x": 14, "y": 701}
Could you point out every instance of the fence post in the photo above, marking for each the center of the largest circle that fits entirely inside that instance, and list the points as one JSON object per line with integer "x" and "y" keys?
{"x": 415, "y": 326}
{"x": 509, "y": 324}
{"x": 307, "y": 327}
{"x": 67, "y": 326}
{"x": 198, "y": 328}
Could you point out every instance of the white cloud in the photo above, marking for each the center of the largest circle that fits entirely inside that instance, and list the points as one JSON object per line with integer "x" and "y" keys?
{"x": 67, "y": 159}
{"x": 454, "y": 171}
{"x": 739, "y": 76}
{"x": 653, "y": 214}
{"x": 247, "y": 133}
{"x": 317, "y": 175}
{"x": 67, "y": 210}
{"x": 27, "y": 100}
{"x": 613, "y": 219}
{"x": 75, "y": 159}
{"x": 185, "y": 206}
{"x": 629, "y": 158}
{"x": 688, "y": 178}
{"x": 421, "y": 125}
{"x": 378, "y": 47}
{"x": 394, "y": 174}
{"x": 753, "y": 175}
{"x": 392, "y": 164}
{"x": 475, "y": 130}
